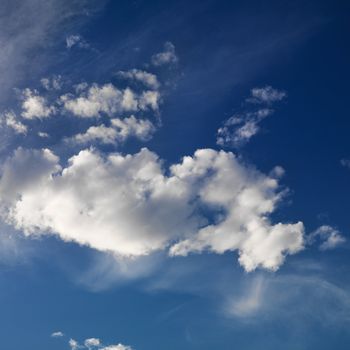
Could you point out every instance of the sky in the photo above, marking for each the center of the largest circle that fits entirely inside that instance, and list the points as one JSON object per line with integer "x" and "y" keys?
{"x": 174, "y": 175}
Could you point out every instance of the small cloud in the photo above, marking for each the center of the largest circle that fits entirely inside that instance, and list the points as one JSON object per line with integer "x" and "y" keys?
{"x": 35, "y": 106}
{"x": 10, "y": 120}
{"x": 92, "y": 342}
{"x": 76, "y": 40}
{"x": 167, "y": 56}
{"x": 118, "y": 131}
{"x": 108, "y": 99}
{"x": 57, "y": 334}
{"x": 277, "y": 172}
{"x": 43, "y": 134}
{"x": 53, "y": 83}
{"x": 148, "y": 79}
{"x": 117, "y": 347}
{"x": 239, "y": 129}
{"x": 345, "y": 162}
{"x": 266, "y": 95}
{"x": 329, "y": 236}
{"x": 74, "y": 345}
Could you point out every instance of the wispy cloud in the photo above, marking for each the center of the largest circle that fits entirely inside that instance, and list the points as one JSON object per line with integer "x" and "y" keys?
{"x": 76, "y": 40}
{"x": 10, "y": 120}
{"x": 345, "y": 162}
{"x": 241, "y": 127}
{"x": 266, "y": 94}
{"x": 25, "y": 42}
{"x": 148, "y": 79}
{"x": 118, "y": 131}
{"x": 167, "y": 56}
{"x": 329, "y": 236}
{"x": 57, "y": 334}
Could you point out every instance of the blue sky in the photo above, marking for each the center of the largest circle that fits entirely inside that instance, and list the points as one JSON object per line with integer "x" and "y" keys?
{"x": 174, "y": 175}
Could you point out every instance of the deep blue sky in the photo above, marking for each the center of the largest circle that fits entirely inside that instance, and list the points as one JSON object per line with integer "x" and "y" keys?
{"x": 224, "y": 49}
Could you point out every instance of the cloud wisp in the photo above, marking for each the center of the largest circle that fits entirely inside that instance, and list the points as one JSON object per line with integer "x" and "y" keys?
{"x": 57, "y": 334}
{"x": 167, "y": 56}
{"x": 328, "y": 236}
{"x": 10, "y": 120}
{"x": 118, "y": 131}
{"x": 76, "y": 40}
{"x": 241, "y": 127}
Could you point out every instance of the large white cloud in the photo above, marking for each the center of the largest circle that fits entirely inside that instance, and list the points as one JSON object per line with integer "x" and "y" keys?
{"x": 130, "y": 206}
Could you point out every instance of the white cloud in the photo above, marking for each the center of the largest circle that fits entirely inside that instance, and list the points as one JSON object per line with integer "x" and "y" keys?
{"x": 109, "y": 100}
{"x": 148, "y": 79}
{"x": 140, "y": 128}
{"x": 149, "y": 100}
{"x": 100, "y": 133}
{"x": 10, "y": 119}
{"x": 266, "y": 95}
{"x": 239, "y": 129}
{"x": 35, "y": 106}
{"x": 167, "y": 56}
{"x": 127, "y": 205}
{"x": 95, "y": 343}
{"x": 53, "y": 83}
{"x": 74, "y": 345}
{"x": 119, "y": 131}
{"x": 43, "y": 134}
{"x": 57, "y": 334}
{"x": 330, "y": 237}
{"x": 116, "y": 347}
{"x": 76, "y": 40}
{"x": 92, "y": 342}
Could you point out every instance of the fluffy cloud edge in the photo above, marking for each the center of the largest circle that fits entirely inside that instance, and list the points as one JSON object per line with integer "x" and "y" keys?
{"x": 131, "y": 206}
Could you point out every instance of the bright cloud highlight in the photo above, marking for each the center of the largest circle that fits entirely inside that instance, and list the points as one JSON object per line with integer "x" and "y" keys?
{"x": 131, "y": 206}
